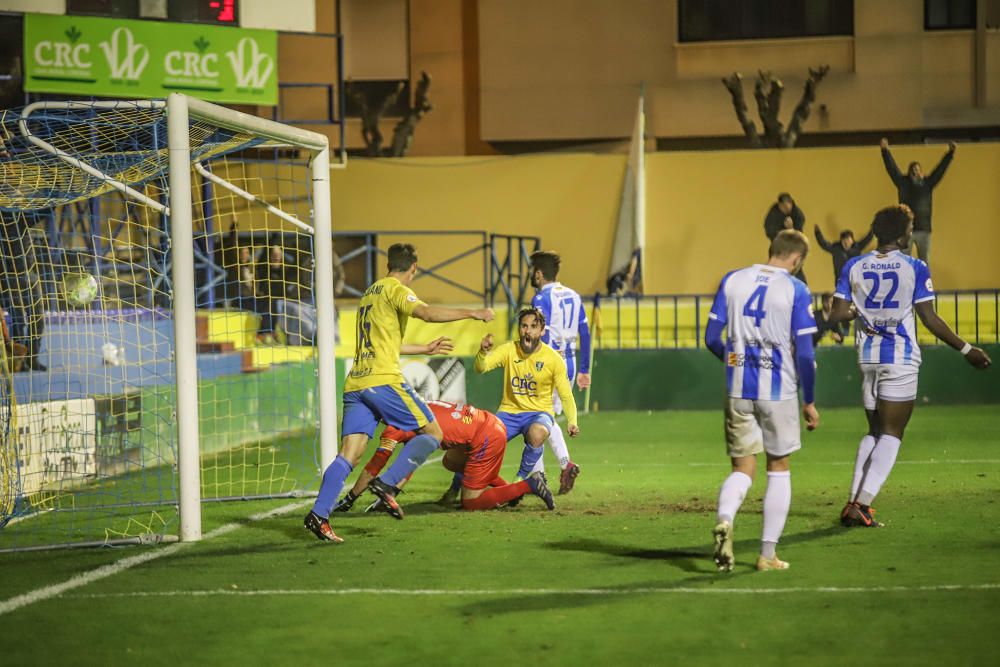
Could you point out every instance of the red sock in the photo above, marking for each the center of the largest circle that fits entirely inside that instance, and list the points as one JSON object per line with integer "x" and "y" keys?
{"x": 498, "y": 481}
{"x": 378, "y": 461}
{"x": 496, "y": 496}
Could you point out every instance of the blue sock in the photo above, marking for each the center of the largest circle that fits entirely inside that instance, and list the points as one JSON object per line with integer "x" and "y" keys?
{"x": 456, "y": 482}
{"x": 333, "y": 483}
{"x": 528, "y": 460}
{"x": 416, "y": 452}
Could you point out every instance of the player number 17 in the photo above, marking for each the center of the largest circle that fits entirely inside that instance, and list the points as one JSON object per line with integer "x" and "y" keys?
{"x": 754, "y": 307}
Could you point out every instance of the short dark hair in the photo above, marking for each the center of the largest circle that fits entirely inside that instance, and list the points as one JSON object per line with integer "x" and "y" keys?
{"x": 788, "y": 241}
{"x": 547, "y": 262}
{"x": 401, "y": 256}
{"x": 784, "y": 196}
{"x": 844, "y": 234}
{"x": 891, "y": 222}
{"x": 912, "y": 165}
{"x": 531, "y": 310}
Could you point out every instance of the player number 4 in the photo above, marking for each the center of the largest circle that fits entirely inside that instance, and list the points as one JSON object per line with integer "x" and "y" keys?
{"x": 754, "y": 306}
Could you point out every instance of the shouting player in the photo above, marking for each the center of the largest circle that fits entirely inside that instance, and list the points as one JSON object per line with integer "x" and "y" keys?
{"x": 882, "y": 289}
{"x": 565, "y": 324}
{"x": 475, "y": 442}
{"x": 375, "y": 389}
{"x": 767, "y": 316}
{"x": 533, "y": 372}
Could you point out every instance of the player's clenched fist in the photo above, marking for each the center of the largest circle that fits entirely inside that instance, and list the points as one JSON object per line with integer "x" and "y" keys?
{"x": 487, "y": 343}
{"x": 573, "y": 430}
{"x": 483, "y": 314}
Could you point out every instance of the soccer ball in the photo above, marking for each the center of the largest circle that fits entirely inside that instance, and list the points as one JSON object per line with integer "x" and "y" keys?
{"x": 81, "y": 289}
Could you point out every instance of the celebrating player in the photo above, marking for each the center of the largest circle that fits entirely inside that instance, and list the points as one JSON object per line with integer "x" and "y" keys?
{"x": 375, "y": 388}
{"x": 475, "y": 442}
{"x": 533, "y": 372}
{"x": 882, "y": 289}
{"x": 565, "y": 323}
{"x": 768, "y": 353}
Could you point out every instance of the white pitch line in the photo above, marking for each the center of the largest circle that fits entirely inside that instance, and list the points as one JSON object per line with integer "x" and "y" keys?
{"x": 701, "y": 464}
{"x": 486, "y": 592}
{"x": 112, "y": 569}
{"x": 105, "y": 571}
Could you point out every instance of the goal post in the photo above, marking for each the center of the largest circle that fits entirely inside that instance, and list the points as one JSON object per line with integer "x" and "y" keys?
{"x": 173, "y": 393}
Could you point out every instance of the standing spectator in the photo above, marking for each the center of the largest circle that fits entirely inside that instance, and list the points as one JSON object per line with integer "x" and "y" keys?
{"x": 915, "y": 190}
{"x": 272, "y": 284}
{"x": 22, "y": 286}
{"x": 785, "y": 214}
{"x": 845, "y": 249}
{"x": 823, "y": 324}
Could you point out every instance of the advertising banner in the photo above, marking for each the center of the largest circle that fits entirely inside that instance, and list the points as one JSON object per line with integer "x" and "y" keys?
{"x": 79, "y": 55}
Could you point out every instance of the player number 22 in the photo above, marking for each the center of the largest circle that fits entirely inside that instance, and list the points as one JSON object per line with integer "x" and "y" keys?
{"x": 890, "y": 277}
{"x": 754, "y": 306}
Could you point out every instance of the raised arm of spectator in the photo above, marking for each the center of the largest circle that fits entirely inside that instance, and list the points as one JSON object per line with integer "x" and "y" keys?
{"x": 942, "y": 166}
{"x": 821, "y": 240}
{"x": 890, "y": 164}
{"x": 865, "y": 240}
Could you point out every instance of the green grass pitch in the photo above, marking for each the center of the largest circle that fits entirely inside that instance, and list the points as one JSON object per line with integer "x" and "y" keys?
{"x": 620, "y": 573}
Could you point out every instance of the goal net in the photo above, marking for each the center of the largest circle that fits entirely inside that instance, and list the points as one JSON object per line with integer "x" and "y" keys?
{"x": 168, "y": 326}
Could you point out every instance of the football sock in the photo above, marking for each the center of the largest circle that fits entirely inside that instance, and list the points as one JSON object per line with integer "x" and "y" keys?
{"x": 768, "y": 549}
{"x": 378, "y": 461}
{"x": 456, "y": 482}
{"x": 330, "y": 488}
{"x": 777, "y": 500}
{"x": 529, "y": 458}
{"x": 415, "y": 453}
{"x": 496, "y": 496}
{"x": 731, "y": 496}
{"x": 883, "y": 458}
{"x": 865, "y": 448}
{"x": 557, "y": 441}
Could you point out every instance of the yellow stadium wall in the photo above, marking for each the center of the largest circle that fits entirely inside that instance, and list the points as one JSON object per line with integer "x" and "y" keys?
{"x": 704, "y": 214}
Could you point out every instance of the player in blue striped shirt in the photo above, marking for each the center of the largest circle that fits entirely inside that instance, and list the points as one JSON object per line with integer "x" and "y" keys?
{"x": 882, "y": 289}
{"x": 767, "y": 316}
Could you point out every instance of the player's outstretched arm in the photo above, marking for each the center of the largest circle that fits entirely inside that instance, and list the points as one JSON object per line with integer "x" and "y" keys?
{"x": 974, "y": 355}
{"x": 439, "y": 314}
{"x": 441, "y": 345}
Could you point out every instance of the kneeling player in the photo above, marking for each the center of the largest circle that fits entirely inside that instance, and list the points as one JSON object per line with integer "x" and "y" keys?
{"x": 475, "y": 442}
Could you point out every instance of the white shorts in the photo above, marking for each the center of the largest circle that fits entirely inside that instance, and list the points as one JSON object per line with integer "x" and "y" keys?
{"x": 753, "y": 427}
{"x": 888, "y": 382}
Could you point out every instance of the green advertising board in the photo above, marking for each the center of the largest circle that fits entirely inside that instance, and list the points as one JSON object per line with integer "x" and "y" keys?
{"x": 76, "y": 55}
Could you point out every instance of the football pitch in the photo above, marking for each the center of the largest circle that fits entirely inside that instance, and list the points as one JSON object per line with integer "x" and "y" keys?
{"x": 620, "y": 573}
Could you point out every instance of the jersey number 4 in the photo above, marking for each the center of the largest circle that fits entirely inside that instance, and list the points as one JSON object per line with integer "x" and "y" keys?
{"x": 754, "y": 307}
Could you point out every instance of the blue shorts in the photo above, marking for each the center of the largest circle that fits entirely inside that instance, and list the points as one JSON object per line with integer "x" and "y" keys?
{"x": 518, "y": 423}
{"x": 395, "y": 404}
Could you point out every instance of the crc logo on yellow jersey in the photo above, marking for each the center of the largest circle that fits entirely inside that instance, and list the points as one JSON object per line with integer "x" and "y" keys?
{"x": 524, "y": 385}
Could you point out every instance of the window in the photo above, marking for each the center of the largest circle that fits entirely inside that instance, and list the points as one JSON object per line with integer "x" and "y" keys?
{"x": 719, "y": 20}
{"x": 949, "y": 14}
{"x": 119, "y": 9}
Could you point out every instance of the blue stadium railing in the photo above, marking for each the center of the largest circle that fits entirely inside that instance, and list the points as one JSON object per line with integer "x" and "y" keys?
{"x": 674, "y": 321}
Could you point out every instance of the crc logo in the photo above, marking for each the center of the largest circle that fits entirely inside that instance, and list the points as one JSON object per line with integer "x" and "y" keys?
{"x": 64, "y": 54}
{"x": 193, "y": 63}
{"x": 251, "y": 67}
{"x": 126, "y": 57}
{"x": 523, "y": 385}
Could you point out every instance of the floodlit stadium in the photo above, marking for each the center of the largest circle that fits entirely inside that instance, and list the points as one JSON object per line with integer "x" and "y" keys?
{"x": 598, "y": 333}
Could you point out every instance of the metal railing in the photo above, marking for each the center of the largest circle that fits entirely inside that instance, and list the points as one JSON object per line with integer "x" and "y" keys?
{"x": 677, "y": 321}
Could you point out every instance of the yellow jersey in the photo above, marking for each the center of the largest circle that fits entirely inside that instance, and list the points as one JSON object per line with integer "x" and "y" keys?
{"x": 529, "y": 380}
{"x": 383, "y": 312}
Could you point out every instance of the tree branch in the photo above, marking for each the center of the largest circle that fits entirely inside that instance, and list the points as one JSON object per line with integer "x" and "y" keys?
{"x": 801, "y": 114}
{"x": 402, "y": 134}
{"x": 734, "y": 84}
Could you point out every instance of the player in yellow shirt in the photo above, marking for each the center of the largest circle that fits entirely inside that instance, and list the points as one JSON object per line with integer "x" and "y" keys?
{"x": 533, "y": 372}
{"x": 375, "y": 390}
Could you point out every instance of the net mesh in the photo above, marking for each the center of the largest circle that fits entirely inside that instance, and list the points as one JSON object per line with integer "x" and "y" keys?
{"x": 87, "y": 388}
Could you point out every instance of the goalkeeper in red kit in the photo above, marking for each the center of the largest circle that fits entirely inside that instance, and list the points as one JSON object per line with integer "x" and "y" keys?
{"x": 474, "y": 442}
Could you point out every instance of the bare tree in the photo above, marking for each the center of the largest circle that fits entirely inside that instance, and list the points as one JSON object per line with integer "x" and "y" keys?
{"x": 373, "y": 110}
{"x": 767, "y": 93}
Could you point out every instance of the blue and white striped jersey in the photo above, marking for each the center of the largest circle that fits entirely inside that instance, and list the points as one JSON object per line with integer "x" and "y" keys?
{"x": 565, "y": 324}
{"x": 764, "y": 308}
{"x": 883, "y": 288}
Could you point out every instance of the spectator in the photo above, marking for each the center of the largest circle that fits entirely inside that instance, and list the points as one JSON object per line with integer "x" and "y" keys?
{"x": 785, "y": 214}
{"x": 22, "y": 286}
{"x": 627, "y": 281}
{"x": 845, "y": 249}
{"x": 271, "y": 288}
{"x": 838, "y": 330}
{"x": 916, "y": 191}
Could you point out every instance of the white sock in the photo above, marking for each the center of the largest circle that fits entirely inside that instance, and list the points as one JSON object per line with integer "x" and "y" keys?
{"x": 777, "y": 500}
{"x": 883, "y": 458}
{"x": 557, "y": 441}
{"x": 865, "y": 448}
{"x": 731, "y": 495}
